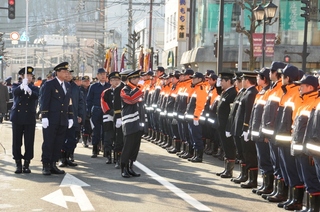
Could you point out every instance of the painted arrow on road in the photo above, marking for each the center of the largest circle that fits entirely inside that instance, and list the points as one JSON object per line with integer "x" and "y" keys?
{"x": 79, "y": 196}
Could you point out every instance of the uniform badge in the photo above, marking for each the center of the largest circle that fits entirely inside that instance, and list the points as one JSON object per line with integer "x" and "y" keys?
{"x": 57, "y": 91}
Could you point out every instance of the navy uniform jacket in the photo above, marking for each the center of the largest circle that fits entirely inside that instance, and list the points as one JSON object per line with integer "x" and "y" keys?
{"x": 94, "y": 95}
{"x": 56, "y": 105}
{"x": 24, "y": 106}
{"x": 224, "y": 106}
{"x": 77, "y": 103}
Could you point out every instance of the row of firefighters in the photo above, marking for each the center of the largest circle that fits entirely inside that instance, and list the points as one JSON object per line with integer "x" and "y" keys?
{"x": 265, "y": 120}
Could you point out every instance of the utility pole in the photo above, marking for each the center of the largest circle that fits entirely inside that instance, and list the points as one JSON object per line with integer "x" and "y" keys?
{"x": 220, "y": 37}
{"x": 150, "y": 34}
{"x": 130, "y": 53}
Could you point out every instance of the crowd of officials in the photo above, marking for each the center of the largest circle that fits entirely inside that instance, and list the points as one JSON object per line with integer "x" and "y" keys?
{"x": 264, "y": 120}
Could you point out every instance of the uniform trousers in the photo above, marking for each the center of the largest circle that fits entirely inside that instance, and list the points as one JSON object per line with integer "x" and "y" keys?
{"x": 70, "y": 142}
{"x": 174, "y": 131}
{"x": 131, "y": 147}
{"x": 195, "y": 133}
{"x": 264, "y": 161}
{"x": 97, "y": 120}
{"x": 317, "y": 165}
{"x": 109, "y": 134}
{"x": 151, "y": 119}
{"x": 86, "y": 128}
{"x": 118, "y": 141}
{"x": 53, "y": 137}
{"x": 156, "y": 117}
{"x": 227, "y": 144}
{"x": 27, "y": 131}
{"x": 274, "y": 154}
{"x": 183, "y": 130}
{"x": 249, "y": 153}
{"x": 290, "y": 170}
{"x": 239, "y": 150}
{"x": 308, "y": 173}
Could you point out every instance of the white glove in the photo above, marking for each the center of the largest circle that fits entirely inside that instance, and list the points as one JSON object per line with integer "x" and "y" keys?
{"x": 27, "y": 89}
{"x": 141, "y": 82}
{"x": 174, "y": 122}
{"x": 228, "y": 134}
{"x": 21, "y": 87}
{"x": 70, "y": 123}
{"x": 195, "y": 122}
{"x": 45, "y": 123}
{"x": 218, "y": 83}
{"x": 118, "y": 123}
{"x": 245, "y": 136}
{"x": 25, "y": 81}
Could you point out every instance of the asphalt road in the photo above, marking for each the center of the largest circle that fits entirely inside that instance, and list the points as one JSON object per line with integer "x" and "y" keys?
{"x": 167, "y": 183}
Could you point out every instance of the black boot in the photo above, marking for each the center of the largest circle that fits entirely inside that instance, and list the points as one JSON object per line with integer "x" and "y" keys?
{"x": 199, "y": 156}
{"x": 275, "y": 189}
{"x": 94, "y": 151}
{"x": 161, "y": 140}
{"x": 124, "y": 171}
{"x": 189, "y": 153}
{"x": 268, "y": 185}
{"x": 46, "y": 169}
{"x": 243, "y": 177}
{"x": 182, "y": 149}
{"x": 18, "y": 167}
{"x": 225, "y": 168}
{"x": 229, "y": 169}
{"x": 25, "y": 168}
{"x": 117, "y": 156}
{"x": 282, "y": 193}
{"x": 131, "y": 171}
{"x": 62, "y": 160}
{"x": 176, "y": 147}
{"x": 314, "y": 203}
{"x": 290, "y": 197}
{"x": 253, "y": 183}
{"x": 71, "y": 155}
{"x": 168, "y": 144}
{"x": 207, "y": 146}
{"x": 54, "y": 169}
{"x": 68, "y": 161}
{"x": 157, "y": 137}
{"x": 255, "y": 190}
{"x": 296, "y": 203}
{"x": 108, "y": 156}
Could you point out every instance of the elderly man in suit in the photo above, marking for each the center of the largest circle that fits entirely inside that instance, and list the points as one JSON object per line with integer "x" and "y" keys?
{"x": 57, "y": 117}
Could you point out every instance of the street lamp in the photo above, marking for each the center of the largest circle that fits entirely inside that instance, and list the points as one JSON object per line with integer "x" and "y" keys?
{"x": 265, "y": 14}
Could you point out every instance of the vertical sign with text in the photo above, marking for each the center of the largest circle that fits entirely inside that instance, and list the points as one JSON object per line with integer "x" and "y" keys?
{"x": 182, "y": 20}
{"x": 258, "y": 44}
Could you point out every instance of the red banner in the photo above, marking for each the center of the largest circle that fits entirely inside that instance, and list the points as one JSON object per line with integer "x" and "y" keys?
{"x": 257, "y": 39}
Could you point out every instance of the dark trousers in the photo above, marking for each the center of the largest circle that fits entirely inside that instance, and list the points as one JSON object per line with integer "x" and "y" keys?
{"x": 308, "y": 172}
{"x": 195, "y": 134}
{"x": 249, "y": 153}
{"x": 131, "y": 147}
{"x": 290, "y": 168}
{"x": 86, "y": 128}
{"x": 238, "y": 144}
{"x": 109, "y": 135}
{"x": 118, "y": 141}
{"x": 227, "y": 144}
{"x": 317, "y": 165}
{"x": 70, "y": 142}
{"x": 26, "y": 131}
{"x": 274, "y": 154}
{"x": 151, "y": 119}
{"x": 156, "y": 117}
{"x": 53, "y": 138}
{"x": 97, "y": 121}
{"x": 183, "y": 130}
{"x": 263, "y": 155}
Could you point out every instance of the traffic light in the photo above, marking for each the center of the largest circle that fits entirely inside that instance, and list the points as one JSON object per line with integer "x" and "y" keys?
{"x": 11, "y": 9}
{"x": 306, "y": 9}
{"x": 215, "y": 50}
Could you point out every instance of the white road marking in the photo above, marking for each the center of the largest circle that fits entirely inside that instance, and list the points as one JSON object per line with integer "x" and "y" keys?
{"x": 79, "y": 196}
{"x": 186, "y": 197}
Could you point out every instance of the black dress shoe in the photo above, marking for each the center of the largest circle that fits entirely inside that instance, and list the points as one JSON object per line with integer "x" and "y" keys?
{"x": 46, "y": 169}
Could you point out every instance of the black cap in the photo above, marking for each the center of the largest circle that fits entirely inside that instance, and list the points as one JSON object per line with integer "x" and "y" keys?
{"x": 188, "y": 71}
{"x": 264, "y": 72}
{"x": 101, "y": 70}
{"x": 197, "y": 75}
{"x": 114, "y": 75}
{"x": 164, "y": 76}
{"x": 226, "y": 75}
{"x": 62, "y": 66}
{"x": 209, "y": 72}
{"x": 301, "y": 74}
{"x": 160, "y": 68}
{"x": 8, "y": 79}
{"x": 39, "y": 78}
{"x": 249, "y": 74}
{"x": 76, "y": 78}
{"x": 237, "y": 75}
{"x": 277, "y": 65}
{"x": 49, "y": 74}
{"x": 134, "y": 74}
{"x": 212, "y": 76}
{"x": 86, "y": 78}
{"x": 290, "y": 71}
{"x": 309, "y": 80}
{"x": 143, "y": 73}
{"x": 29, "y": 70}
